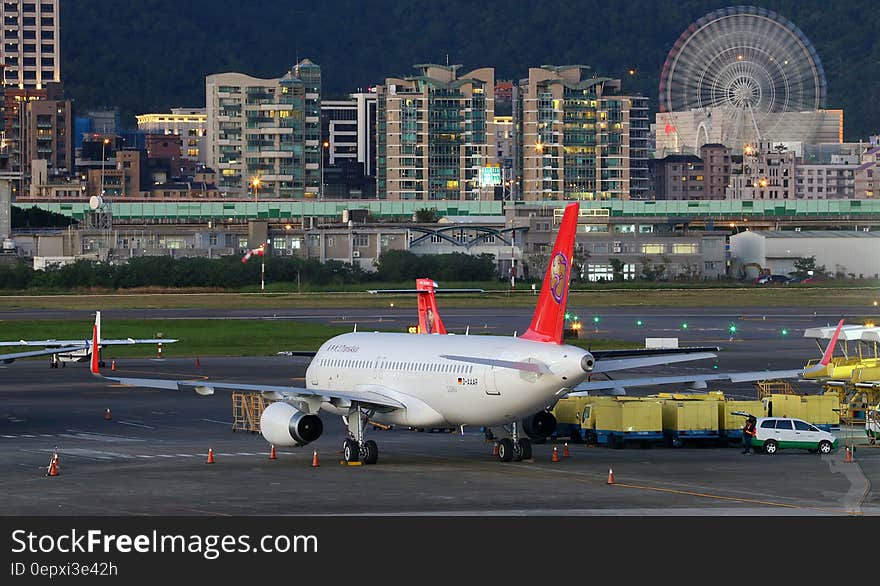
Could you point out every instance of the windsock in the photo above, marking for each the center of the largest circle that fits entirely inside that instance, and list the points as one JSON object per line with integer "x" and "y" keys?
{"x": 254, "y": 252}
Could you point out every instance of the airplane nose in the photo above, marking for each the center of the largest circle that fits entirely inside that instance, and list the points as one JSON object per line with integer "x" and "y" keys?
{"x": 587, "y": 363}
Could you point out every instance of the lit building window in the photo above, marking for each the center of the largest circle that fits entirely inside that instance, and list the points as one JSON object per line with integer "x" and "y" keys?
{"x": 689, "y": 248}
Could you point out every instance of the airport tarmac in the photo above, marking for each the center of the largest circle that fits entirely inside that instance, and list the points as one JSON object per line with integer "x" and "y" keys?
{"x": 150, "y": 459}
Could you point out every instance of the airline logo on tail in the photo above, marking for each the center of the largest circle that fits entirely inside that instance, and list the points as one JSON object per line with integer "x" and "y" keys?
{"x": 549, "y": 318}
{"x": 558, "y": 277}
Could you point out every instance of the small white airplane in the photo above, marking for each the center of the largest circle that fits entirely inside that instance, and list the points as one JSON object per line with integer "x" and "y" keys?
{"x": 63, "y": 351}
{"x": 437, "y": 380}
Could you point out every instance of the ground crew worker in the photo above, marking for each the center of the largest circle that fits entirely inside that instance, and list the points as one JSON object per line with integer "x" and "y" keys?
{"x": 749, "y": 431}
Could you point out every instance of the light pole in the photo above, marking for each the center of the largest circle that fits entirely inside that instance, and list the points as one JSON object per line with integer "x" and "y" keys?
{"x": 324, "y": 145}
{"x": 104, "y": 144}
{"x": 256, "y": 182}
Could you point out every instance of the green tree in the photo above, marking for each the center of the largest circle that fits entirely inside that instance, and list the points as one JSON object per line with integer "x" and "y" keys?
{"x": 806, "y": 267}
{"x": 427, "y": 215}
{"x": 617, "y": 269}
{"x": 652, "y": 271}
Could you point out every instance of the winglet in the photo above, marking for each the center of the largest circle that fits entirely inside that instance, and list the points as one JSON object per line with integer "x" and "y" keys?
{"x": 829, "y": 351}
{"x": 95, "y": 369}
{"x": 549, "y": 318}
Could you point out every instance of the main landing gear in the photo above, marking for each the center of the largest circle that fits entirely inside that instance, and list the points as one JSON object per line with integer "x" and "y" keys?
{"x": 355, "y": 448}
{"x": 55, "y": 362}
{"x": 514, "y": 448}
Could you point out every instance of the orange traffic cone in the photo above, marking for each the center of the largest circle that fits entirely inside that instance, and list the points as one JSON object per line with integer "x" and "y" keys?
{"x": 112, "y": 365}
{"x": 565, "y": 453}
{"x": 107, "y": 416}
{"x": 495, "y": 449}
{"x": 849, "y": 457}
{"x": 53, "y": 466}
{"x": 555, "y": 457}
{"x": 272, "y": 455}
{"x": 610, "y": 476}
{"x": 210, "y": 456}
{"x": 315, "y": 459}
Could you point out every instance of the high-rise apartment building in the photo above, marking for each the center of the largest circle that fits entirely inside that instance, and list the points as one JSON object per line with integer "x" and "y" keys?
{"x": 48, "y": 136}
{"x": 264, "y": 135}
{"x": 190, "y": 124}
{"x": 30, "y": 50}
{"x": 436, "y": 134}
{"x": 348, "y": 142}
{"x": 579, "y": 138}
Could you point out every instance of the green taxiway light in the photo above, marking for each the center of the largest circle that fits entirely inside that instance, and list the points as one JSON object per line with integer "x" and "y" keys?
{"x": 732, "y": 329}
{"x": 784, "y": 332}
{"x": 639, "y": 322}
{"x": 567, "y": 316}
{"x": 596, "y": 319}
{"x": 684, "y": 326}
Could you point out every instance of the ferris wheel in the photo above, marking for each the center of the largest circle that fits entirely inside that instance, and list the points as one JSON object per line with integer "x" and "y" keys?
{"x": 747, "y": 65}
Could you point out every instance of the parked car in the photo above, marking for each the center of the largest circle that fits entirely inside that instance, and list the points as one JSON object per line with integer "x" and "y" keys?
{"x": 777, "y": 433}
{"x": 802, "y": 280}
{"x": 773, "y": 280}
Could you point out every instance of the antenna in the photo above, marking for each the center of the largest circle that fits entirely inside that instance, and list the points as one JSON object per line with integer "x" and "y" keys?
{"x": 447, "y": 60}
{"x": 467, "y": 330}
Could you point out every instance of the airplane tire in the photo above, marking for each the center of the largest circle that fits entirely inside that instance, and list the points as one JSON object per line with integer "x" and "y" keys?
{"x": 350, "y": 451}
{"x": 525, "y": 449}
{"x": 505, "y": 450}
{"x": 371, "y": 452}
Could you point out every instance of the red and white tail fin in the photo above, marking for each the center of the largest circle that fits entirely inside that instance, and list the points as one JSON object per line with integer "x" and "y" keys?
{"x": 829, "y": 351}
{"x": 429, "y": 317}
{"x": 549, "y": 318}
{"x": 95, "y": 369}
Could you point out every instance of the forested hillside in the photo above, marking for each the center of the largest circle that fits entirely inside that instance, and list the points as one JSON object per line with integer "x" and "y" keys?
{"x": 151, "y": 55}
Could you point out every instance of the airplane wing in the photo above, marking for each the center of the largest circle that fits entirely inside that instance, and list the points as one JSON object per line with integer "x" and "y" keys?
{"x": 608, "y": 354}
{"x": 123, "y": 342}
{"x": 86, "y": 343}
{"x": 601, "y": 366}
{"x": 696, "y": 381}
{"x": 207, "y": 387}
{"x": 7, "y": 358}
{"x": 60, "y": 346}
{"x": 653, "y": 360}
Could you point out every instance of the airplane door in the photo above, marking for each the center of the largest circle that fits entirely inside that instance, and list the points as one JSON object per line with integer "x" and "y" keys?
{"x": 492, "y": 384}
{"x": 379, "y": 369}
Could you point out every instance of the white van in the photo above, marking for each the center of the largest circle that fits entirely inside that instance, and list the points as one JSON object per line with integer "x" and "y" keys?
{"x": 774, "y": 433}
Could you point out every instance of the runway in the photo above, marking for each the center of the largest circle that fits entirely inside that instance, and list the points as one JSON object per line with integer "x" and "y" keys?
{"x": 150, "y": 459}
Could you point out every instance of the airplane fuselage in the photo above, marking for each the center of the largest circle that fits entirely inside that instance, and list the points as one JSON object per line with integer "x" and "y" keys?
{"x": 441, "y": 392}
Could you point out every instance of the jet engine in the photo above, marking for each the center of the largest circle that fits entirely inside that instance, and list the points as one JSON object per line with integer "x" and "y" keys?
{"x": 286, "y": 426}
{"x": 539, "y": 426}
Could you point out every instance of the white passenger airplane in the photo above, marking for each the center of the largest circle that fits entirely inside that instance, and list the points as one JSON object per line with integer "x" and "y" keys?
{"x": 63, "y": 351}
{"x": 437, "y": 380}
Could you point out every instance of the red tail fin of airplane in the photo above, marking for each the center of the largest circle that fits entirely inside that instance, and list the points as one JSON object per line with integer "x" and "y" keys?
{"x": 829, "y": 351}
{"x": 95, "y": 369}
{"x": 549, "y": 318}
{"x": 429, "y": 317}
